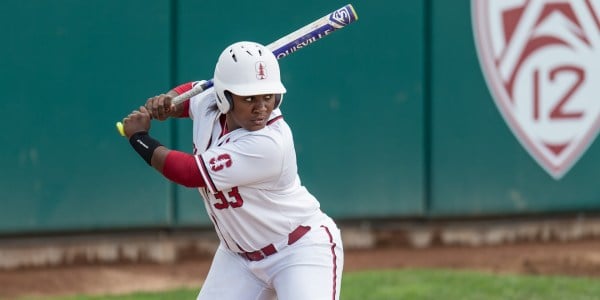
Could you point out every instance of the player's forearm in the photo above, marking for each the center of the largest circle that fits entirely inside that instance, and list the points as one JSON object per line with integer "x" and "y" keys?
{"x": 159, "y": 157}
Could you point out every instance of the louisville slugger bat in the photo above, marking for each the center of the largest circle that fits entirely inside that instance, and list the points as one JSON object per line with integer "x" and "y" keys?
{"x": 287, "y": 45}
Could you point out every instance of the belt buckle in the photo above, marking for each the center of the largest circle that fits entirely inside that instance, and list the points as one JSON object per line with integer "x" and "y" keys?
{"x": 254, "y": 256}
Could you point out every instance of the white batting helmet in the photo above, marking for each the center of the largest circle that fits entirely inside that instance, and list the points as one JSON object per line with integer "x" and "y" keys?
{"x": 246, "y": 69}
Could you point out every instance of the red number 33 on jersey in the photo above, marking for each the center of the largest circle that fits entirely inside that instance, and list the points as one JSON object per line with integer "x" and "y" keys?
{"x": 233, "y": 195}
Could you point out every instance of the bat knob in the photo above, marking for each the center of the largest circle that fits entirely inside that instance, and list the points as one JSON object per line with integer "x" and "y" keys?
{"x": 120, "y": 128}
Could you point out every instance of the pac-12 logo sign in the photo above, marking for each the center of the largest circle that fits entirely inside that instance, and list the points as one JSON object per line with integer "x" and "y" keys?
{"x": 541, "y": 60}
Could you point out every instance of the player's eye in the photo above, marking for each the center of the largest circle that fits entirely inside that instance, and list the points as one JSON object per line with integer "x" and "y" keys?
{"x": 248, "y": 99}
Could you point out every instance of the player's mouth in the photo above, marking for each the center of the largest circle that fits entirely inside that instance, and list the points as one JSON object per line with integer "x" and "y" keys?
{"x": 259, "y": 121}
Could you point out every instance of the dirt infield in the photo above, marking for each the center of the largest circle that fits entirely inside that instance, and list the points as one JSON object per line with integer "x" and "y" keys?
{"x": 573, "y": 258}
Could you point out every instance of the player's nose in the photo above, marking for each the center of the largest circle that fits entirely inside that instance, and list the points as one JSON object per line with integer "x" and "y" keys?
{"x": 260, "y": 106}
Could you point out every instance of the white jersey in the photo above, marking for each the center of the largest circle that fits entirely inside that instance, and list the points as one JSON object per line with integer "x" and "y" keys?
{"x": 253, "y": 192}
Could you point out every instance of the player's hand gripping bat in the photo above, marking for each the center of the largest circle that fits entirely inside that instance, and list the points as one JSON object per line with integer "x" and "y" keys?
{"x": 287, "y": 44}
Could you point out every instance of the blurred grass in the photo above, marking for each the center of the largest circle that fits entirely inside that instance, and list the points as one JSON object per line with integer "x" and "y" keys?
{"x": 424, "y": 284}
{"x": 465, "y": 285}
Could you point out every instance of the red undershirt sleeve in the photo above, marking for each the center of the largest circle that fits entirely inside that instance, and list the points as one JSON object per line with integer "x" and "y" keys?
{"x": 180, "y": 89}
{"x": 181, "y": 168}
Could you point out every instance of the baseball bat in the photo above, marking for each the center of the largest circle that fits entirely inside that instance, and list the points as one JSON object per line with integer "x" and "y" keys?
{"x": 287, "y": 45}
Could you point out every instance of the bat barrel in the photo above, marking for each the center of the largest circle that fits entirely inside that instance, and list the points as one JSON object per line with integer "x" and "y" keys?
{"x": 314, "y": 31}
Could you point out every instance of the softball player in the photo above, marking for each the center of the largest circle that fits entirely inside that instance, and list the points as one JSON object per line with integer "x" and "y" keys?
{"x": 276, "y": 243}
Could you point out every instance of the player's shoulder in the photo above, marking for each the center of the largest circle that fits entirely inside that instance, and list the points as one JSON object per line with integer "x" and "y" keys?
{"x": 203, "y": 103}
{"x": 276, "y": 121}
{"x": 205, "y": 97}
{"x": 276, "y": 126}
{"x": 266, "y": 142}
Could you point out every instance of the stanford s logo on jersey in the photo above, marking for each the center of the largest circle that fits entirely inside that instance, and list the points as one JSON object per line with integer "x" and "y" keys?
{"x": 541, "y": 60}
{"x": 220, "y": 162}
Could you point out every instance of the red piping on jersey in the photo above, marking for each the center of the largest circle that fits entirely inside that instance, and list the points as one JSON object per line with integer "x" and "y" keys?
{"x": 206, "y": 175}
{"x": 240, "y": 247}
{"x": 334, "y": 261}
{"x": 219, "y": 230}
{"x": 275, "y": 119}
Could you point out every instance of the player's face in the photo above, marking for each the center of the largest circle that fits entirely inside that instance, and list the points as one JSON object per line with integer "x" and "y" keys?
{"x": 251, "y": 112}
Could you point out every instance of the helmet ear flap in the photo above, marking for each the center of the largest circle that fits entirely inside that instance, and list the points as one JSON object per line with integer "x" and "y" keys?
{"x": 225, "y": 105}
{"x": 229, "y": 98}
{"x": 278, "y": 99}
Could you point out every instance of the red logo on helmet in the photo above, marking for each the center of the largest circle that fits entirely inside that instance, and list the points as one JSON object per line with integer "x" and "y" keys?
{"x": 220, "y": 162}
{"x": 261, "y": 70}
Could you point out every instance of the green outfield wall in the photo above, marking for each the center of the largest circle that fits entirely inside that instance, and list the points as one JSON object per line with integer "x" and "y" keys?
{"x": 392, "y": 116}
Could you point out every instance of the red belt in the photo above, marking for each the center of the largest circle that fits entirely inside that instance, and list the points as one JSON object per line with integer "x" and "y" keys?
{"x": 270, "y": 249}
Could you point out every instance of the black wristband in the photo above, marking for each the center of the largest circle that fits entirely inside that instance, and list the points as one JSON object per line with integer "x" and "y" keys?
{"x": 144, "y": 145}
